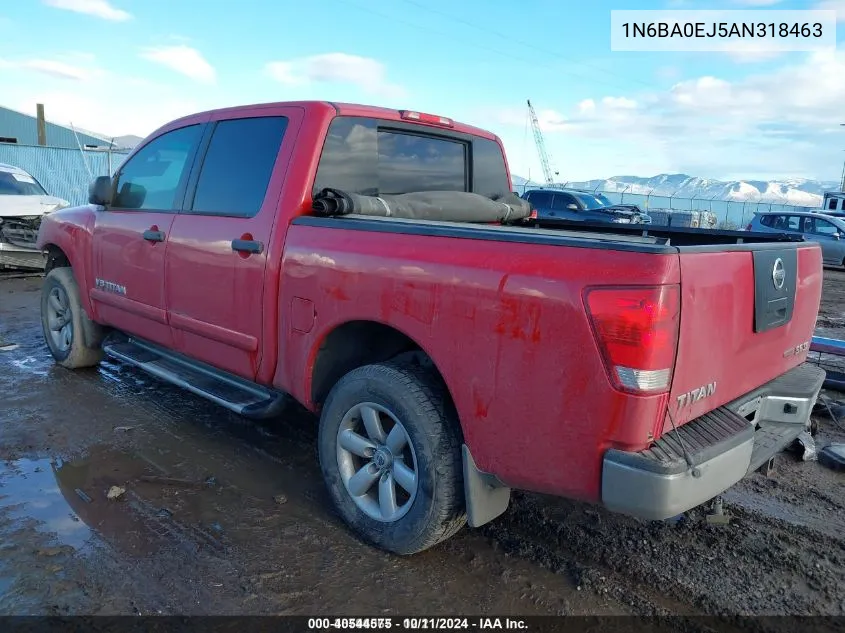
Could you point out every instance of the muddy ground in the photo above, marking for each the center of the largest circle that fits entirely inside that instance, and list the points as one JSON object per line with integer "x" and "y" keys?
{"x": 251, "y": 530}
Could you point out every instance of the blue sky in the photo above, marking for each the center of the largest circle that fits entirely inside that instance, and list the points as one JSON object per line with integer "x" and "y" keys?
{"x": 127, "y": 66}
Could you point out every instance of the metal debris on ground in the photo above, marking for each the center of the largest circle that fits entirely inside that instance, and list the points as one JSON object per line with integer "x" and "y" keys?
{"x": 280, "y": 499}
{"x": 6, "y": 346}
{"x": 119, "y": 429}
{"x": 833, "y": 409}
{"x": 115, "y": 492}
{"x": 833, "y": 456}
{"x": 82, "y": 495}
{"x": 718, "y": 516}
{"x": 808, "y": 446}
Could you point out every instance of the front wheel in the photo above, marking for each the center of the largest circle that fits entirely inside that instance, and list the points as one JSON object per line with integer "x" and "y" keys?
{"x": 390, "y": 452}
{"x": 63, "y": 320}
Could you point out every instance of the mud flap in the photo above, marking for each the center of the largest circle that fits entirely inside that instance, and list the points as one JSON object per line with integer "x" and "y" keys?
{"x": 486, "y": 497}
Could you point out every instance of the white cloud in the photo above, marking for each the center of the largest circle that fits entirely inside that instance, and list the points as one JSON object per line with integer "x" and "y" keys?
{"x": 833, "y": 5}
{"x": 619, "y": 103}
{"x": 98, "y": 8}
{"x": 184, "y": 60}
{"x": 54, "y": 68}
{"x": 107, "y": 116}
{"x": 587, "y": 106}
{"x": 767, "y": 122}
{"x": 365, "y": 73}
{"x": 750, "y": 51}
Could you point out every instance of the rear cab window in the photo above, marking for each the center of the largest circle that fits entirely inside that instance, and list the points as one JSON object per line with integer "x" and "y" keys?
{"x": 373, "y": 157}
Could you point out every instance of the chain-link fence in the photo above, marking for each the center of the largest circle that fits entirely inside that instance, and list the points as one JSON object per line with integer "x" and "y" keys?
{"x": 703, "y": 212}
{"x": 64, "y": 173}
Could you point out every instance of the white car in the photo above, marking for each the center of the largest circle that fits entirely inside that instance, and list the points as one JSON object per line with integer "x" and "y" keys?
{"x": 23, "y": 202}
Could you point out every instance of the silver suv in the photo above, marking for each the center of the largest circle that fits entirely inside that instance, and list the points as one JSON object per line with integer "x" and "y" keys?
{"x": 827, "y": 230}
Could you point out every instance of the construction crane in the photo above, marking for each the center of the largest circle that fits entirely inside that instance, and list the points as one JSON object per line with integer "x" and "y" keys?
{"x": 541, "y": 146}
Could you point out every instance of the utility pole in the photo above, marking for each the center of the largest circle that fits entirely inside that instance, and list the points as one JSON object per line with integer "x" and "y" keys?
{"x": 42, "y": 124}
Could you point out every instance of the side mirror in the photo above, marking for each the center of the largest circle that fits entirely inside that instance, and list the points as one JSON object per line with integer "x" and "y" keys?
{"x": 837, "y": 236}
{"x": 100, "y": 191}
{"x": 572, "y": 206}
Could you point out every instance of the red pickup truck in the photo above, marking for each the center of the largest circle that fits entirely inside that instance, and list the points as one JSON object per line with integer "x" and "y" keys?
{"x": 449, "y": 361}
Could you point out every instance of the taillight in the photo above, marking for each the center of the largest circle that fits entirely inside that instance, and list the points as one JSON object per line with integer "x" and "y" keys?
{"x": 636, "y": 329}
{"x": 748, "y": 228}
{"x": 422, "y": 117}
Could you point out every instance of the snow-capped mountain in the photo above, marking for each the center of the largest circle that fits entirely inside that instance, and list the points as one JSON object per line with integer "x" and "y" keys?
{"x": 792, "y": 191}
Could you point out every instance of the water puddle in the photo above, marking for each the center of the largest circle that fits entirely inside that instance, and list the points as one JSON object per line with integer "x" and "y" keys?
{"x": 32, "y": 489}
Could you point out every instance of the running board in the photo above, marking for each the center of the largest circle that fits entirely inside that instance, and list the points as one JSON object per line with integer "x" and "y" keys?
{"x": 236, "y": 394}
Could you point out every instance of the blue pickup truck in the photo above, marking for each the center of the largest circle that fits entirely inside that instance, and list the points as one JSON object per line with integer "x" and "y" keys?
{"x": 582, "y": 206}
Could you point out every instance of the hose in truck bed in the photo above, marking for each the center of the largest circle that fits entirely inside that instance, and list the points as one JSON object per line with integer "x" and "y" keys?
{"x": 446, "y": 206}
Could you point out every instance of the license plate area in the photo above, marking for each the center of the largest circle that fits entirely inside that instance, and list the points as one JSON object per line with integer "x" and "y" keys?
{"x": 775, "y": 276}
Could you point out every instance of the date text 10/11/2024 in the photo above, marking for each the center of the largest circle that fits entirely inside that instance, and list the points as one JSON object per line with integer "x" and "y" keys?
{"x": 418, "y": 623}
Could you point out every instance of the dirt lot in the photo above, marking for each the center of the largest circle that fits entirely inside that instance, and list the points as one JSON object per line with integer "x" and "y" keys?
{"x": 252, "y": 531}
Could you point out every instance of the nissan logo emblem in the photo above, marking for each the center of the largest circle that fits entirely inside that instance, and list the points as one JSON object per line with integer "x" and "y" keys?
{"x": 778, "y": 274}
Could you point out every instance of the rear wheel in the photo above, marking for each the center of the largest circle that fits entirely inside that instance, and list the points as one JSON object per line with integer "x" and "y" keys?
{"x": 390, "y": 451}
{"x": 63, "y": 320}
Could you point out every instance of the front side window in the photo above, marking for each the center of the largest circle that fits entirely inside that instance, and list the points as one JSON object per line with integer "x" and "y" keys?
{"x": 823, "y": 227}
{"x": 238, "y": 165}
{"x": 562, "y": 201}
{"x": 151, "y": 179}
{"x": 19, "y": 185}
{"x": 590, "y": 201}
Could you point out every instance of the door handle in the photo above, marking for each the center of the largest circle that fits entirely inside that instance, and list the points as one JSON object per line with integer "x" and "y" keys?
{"x": 154, "y": 236}
{"x": 247, "y": 246}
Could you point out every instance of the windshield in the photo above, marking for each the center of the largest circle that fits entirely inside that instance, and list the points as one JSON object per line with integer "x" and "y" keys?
{"x": 593, "y": 201}
{"x": 19, "y": 185}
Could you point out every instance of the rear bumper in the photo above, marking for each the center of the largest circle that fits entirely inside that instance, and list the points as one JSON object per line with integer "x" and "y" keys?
{"x": 724, "y": 445}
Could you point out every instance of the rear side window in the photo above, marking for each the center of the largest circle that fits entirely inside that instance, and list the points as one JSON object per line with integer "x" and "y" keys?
{"x": 832, "y": 204}
{"x": 237, "y": 166}
{"x": 793, "y": 223}
{"x": 540, "y": 199}
{"x": 371, "y": 157}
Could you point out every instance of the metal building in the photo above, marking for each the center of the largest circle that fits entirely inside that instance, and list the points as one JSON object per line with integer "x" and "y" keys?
{"x": 22, "y": 129}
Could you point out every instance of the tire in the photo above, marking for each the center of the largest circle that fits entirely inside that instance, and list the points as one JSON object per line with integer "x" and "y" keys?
{"x": 60, "y": 303}
{"x": 418, "y": 400}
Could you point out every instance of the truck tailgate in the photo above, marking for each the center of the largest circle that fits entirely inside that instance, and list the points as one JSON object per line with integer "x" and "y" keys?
{"x": 747, "y": 316}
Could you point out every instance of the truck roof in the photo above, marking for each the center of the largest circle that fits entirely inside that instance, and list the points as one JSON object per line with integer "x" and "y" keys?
{"x": 341, "y": 109}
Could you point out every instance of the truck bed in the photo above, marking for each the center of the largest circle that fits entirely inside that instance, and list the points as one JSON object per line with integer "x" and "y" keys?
{"x": 651, "y": 239}
{"x": 667, "y": 235}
